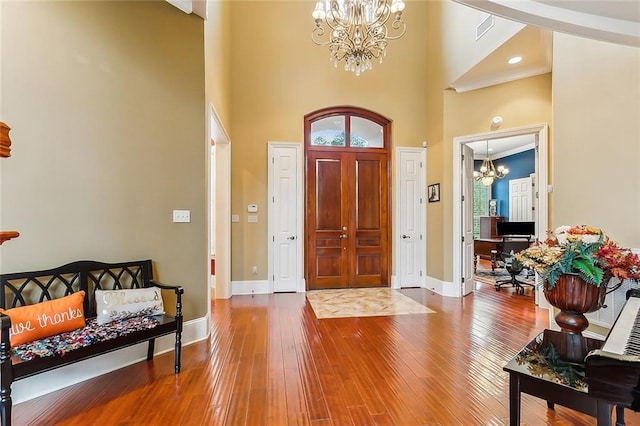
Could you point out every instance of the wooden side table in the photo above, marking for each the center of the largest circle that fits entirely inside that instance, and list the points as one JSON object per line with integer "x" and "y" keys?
{"x": 529, "y": 373}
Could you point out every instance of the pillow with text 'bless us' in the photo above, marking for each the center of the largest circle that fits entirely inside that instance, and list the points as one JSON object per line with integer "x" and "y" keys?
{"x": 44, "y": 319}
{"x": 126, "y": 303}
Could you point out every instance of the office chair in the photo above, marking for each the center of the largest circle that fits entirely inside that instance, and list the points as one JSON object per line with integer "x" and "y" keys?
{"x": 510, "y": 246}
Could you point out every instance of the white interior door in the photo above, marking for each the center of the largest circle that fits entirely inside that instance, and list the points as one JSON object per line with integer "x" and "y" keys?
{"x": 521, "y": 200}
{"x": 467, "y": 220}
{"x": 412, "y": 217}
{"x": 212, "y": 215}
{"x": 285, "y": 223}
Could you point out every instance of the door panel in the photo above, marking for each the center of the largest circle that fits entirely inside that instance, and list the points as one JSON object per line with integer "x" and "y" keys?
{"x": 410, "y": 193}
{"x": 368, "y": 267}
{"x": 467, "y": 221}
{"x": 284, "y": 200}
{"x": 520, "y": 200}
{"x": 328, "y": 263}
{"x": 347, "y": 219}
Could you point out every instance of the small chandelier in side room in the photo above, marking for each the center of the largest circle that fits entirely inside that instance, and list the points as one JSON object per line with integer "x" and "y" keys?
{"x": 488, "y": 172}
{"x": 357, "y": 30}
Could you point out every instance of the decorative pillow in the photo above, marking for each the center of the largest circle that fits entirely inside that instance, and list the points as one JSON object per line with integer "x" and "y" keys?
{"x": 45, "y": 319}
{"x": 118, "y": 304}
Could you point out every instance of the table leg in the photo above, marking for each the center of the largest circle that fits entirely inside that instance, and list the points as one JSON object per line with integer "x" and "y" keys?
{"x": 619, "y": 415}
{"x": 514, "y": 400}
{"x": 475, "y": 263}
{"x": 603, "y": 413}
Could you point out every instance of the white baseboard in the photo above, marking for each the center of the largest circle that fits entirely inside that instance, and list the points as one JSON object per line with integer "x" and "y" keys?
{"x": 443, "y": 288}
{"x": 50, "y": 381}
{"x": 395, "y": 284}
{"x": 433, "y": 284}
{"x": 250, "y": 287}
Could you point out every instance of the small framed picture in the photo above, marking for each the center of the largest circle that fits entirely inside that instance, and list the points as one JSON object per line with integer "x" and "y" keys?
{"x": 433, "y": 193}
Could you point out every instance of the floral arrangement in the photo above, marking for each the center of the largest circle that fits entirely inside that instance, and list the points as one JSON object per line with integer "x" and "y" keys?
{"x": 582, "y": 250}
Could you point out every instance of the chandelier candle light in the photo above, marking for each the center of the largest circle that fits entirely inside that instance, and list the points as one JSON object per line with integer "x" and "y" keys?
{"x": 357, "y": 30}
{"x": 488, "y": 172}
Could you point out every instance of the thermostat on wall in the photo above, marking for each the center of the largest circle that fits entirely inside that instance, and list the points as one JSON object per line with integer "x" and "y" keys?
{"x": 252, "y": 208}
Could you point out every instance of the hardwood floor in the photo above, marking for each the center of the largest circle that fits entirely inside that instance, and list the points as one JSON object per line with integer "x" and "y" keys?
{"x": 269, "y": 361}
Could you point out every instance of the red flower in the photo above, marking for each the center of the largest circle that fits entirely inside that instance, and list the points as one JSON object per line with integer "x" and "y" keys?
{"x": 621, "y": 262}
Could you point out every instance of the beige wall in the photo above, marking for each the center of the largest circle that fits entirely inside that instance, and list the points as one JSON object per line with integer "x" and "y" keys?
{"x": 106, "y": 101}
{"x": 519, "y": 103}
{"x": 596, "y": 115}
{"x": 436, "y": 168}
{"x": 217, "y": 52}
{"x": 279, "y": 75}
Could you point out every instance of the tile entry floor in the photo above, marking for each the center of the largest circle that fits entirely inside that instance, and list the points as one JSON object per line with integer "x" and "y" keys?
{"x": 362, "y": 302}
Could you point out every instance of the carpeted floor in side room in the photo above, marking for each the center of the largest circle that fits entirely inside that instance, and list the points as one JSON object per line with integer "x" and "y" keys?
{"x": 484, "y": 274}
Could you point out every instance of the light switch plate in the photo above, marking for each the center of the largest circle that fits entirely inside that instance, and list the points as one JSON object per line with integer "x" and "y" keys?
{"x": 252, "y": 218}
{"x": 235, "y": 218}
{"x": 181, "y": 216}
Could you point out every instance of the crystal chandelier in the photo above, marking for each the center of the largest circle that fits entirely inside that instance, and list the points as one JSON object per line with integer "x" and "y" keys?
{"x": 357, "y": 30}
{"x": 488, "y": 172}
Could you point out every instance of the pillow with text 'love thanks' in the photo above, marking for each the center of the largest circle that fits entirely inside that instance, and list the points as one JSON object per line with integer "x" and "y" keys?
{"x": 44, "y": 319}
{"x": 126, "y": 303}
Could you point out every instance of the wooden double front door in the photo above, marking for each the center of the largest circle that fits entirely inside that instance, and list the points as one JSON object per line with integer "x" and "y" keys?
{"x": 347, "y": 219}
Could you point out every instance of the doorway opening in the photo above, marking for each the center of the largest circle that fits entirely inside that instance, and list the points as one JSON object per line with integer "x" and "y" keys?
{"x": 463, "y": 223}
{"x": 219, "y": 205}
{"x": 347, "y": 198}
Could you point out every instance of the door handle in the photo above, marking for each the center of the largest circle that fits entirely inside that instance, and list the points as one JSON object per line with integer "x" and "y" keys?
{"x": 291, "y": 238}
{"x": 404, "y": 237}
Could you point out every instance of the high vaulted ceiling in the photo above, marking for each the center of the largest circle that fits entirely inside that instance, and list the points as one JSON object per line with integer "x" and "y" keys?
{"x": 533, "y": 44}
{"x": 616, "y": 21}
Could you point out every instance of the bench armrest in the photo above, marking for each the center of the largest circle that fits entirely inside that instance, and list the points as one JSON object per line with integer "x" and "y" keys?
{"x": 179, "y": 291}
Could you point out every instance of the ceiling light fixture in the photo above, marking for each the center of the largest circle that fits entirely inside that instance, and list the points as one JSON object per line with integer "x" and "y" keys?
{"x": 357, "y": 30}
{"x": 515, "y": 60}
{"x": 488, "y": 172}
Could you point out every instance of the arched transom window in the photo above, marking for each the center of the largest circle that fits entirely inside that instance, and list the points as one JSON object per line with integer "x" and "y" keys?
{"x": 346, "y": 127}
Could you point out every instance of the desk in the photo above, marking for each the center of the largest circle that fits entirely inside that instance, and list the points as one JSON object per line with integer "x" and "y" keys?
{"x": 530, "y": 373}
{"x": 486, "y": 248}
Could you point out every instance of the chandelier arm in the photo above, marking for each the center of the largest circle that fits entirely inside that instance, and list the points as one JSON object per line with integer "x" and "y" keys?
{"x": 316, "y": 34}
{"x": 375, "y": 43}
{"x": 334, "y": 25}
{"x": 398, "y": 23}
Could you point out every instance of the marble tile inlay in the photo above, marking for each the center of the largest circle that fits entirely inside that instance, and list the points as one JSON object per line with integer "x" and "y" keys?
{"x": 363, "y": 302}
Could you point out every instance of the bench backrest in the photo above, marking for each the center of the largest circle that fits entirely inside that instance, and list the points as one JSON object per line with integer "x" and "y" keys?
{"x": 27, "y": 288}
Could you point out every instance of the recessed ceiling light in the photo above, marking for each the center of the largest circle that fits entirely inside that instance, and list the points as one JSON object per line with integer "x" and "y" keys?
{"x": 515, "y": 60}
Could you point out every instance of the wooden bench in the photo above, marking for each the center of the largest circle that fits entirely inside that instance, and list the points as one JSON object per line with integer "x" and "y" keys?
{"x": 29, "y": 288}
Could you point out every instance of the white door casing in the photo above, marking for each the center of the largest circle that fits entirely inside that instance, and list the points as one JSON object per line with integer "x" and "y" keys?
{"x": 521, "y": 200}
{"x": 541, "y": 194}
{"x": 411, "y": 213}
{"x": 467, "y": 221}
{"x": 285, "y": 217}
